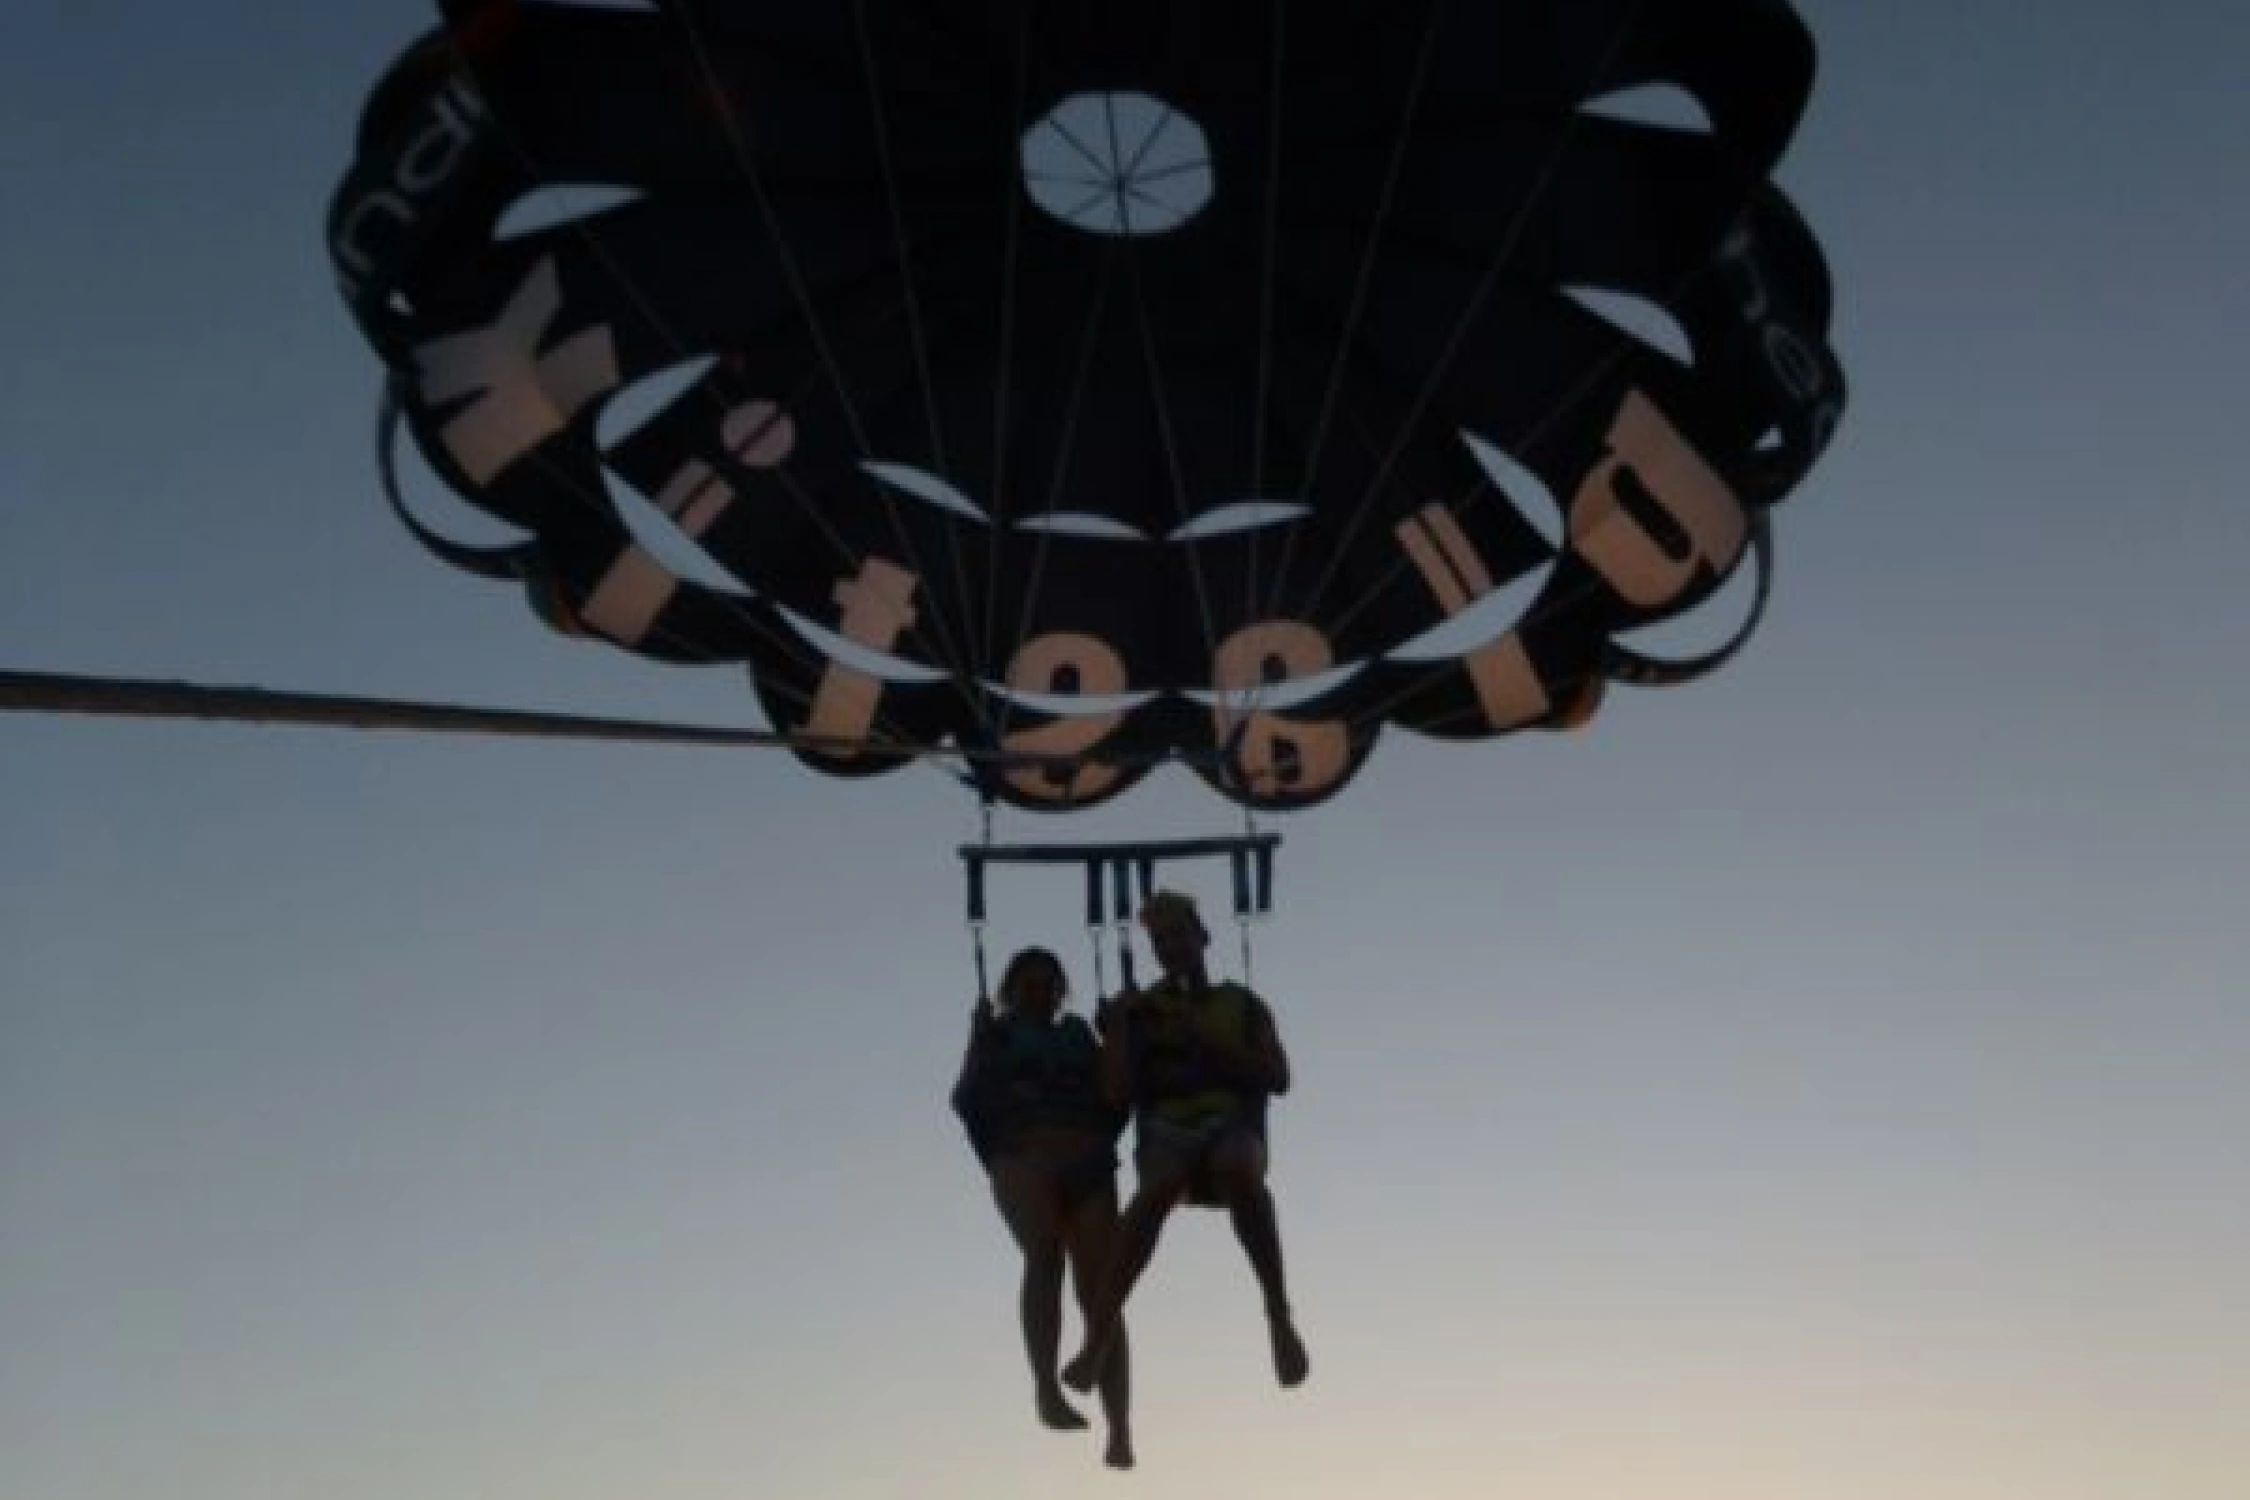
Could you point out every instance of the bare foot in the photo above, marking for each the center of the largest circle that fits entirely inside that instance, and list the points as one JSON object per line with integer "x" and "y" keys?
{"x": 1119, "y": 1453}
{"x": 1085, "y": 1367}
{"x": 1290, "y": 1362}
{"x": 1057, "y": 1412}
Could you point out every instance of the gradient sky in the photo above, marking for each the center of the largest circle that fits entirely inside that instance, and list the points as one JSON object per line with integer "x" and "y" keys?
{"x": 1824, "y": 1083}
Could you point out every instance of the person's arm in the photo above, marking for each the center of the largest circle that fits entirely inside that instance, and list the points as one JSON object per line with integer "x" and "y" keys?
{"x": 1265, "y": 1042}
{"x": 1258, "y": 1064}
{"x": 1114, "y": 1025}
{"x": 973, "y": 1056}
{"x": 974, "y": 1059}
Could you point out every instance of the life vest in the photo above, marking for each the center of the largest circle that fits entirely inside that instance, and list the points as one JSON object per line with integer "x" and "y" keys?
{"x": 1169, "y": 1027}
{"x": 1031, "y": 1073}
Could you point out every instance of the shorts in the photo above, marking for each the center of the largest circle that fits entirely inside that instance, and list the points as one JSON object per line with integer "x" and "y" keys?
{"x": 1074, "y": 1176}
{"x": 1192, "y": 1143}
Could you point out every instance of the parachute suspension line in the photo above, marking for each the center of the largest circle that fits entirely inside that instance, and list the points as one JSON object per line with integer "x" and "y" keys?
{"x": 1095, "y": 920}
{"x": 1261, "y": 405}
{"x": 1065, "y": 447}
{"x": 1479, "y": 294}
{"x": 1569, "y": 397}
{"x": 565, "y": 482}
{"x": 1097, "y": 306}
{"x": 1227, "y": 711}
{"x": 1001, "y": 504}
{"x": 1356, "y": 308}
{"x": 1123, "y": 906}
{"x": 1620, "y": 662}
{"x": 1250, "y": 866}
{"x": 977, "y": 913}
{"x": 515, "y": 563}
{"x": 1119, "y": 877}
{"x": 569, "y": 484}
{"x": 967, "y": 684}
{"x": 1182, "y": 507}
{"x": 899, "y": 242}
{"x": 950, "y": 653}
{"x": 787, "y": 641}
{"x": 889, "y": 739}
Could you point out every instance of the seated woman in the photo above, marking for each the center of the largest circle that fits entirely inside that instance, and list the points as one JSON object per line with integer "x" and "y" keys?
{"x": 1030, "y": 1097}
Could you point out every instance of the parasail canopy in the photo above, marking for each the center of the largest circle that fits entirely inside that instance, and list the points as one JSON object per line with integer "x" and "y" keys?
{"x": 1106, "y": 382}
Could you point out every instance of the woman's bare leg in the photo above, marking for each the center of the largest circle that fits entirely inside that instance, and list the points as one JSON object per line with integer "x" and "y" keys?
{"x": 1026, "y": 1196}
{"x": 1163, "y": 1178}
{"x": 1092, "y": 1237}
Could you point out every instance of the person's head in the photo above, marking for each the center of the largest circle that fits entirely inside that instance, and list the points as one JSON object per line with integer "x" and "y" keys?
{"x": 1033, "y": 985}
{"x": 1175, "y": 932}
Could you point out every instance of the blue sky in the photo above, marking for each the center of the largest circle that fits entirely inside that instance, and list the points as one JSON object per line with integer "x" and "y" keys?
{"x": 1825, "y": 1080}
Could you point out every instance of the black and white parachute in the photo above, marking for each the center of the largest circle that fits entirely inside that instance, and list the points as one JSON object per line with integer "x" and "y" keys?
{"x": 1107, "y": 381}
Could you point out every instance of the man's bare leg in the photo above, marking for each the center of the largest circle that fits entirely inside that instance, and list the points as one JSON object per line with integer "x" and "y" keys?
{"x": 1238, "y": 1168}
{"x": 1163, "y": 1179}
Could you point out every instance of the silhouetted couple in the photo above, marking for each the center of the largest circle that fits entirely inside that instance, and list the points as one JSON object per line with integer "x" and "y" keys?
{"x": 1193, "y": 1062}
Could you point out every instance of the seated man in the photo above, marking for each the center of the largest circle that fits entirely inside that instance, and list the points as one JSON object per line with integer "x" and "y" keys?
{"x": 1197, "y": 1061}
